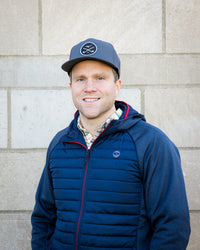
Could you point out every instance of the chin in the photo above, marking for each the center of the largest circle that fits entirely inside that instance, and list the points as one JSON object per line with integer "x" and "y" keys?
{"x": 90, "y": 117}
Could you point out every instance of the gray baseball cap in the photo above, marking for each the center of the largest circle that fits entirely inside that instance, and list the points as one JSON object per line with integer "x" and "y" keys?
{"x": 93, "y": 49}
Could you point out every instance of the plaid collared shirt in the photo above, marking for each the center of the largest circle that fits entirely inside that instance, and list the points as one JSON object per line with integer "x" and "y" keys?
{"x": 89, "y": 138}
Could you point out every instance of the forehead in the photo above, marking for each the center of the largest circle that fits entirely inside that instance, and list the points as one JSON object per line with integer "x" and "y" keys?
{"x": 91, "y": 65}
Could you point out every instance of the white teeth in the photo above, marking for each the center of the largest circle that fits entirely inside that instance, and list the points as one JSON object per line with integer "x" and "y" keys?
{"x": 90, "y": 100}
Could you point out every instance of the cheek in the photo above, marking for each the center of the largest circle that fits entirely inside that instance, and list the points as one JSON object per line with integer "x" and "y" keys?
{"x": 76, "y": 92}
{"x": 112, "y": 92}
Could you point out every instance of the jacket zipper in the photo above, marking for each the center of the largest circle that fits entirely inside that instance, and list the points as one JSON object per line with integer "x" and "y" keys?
{"x": 82, "y": 201}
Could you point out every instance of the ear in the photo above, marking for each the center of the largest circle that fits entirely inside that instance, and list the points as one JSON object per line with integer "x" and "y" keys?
{"x": 70, "y": 85}
{"x": 118, "y": 86}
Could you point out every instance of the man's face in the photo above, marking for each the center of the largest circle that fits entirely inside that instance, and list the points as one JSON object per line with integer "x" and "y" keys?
{"x": 94, "y": 90}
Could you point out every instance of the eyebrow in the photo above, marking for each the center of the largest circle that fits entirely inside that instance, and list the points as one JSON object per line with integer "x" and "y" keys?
{"x": 78, "y": 76}
{"x": 85, "y": 76}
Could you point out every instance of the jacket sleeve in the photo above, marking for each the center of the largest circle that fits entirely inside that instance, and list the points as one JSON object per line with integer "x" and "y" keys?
{"x": 44, "y": 214}
{"x": 164, "y": 191}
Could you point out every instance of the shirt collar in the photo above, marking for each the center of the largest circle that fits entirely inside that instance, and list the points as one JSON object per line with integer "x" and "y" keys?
{"x": 88, "y": 136}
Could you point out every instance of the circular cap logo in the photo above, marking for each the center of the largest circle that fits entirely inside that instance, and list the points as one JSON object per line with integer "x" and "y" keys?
{"x": 88, "y": 49}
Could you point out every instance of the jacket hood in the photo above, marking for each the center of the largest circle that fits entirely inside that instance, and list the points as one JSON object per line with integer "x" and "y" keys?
{"x": 128, "y": 111}
{"x": 129, "y": 117}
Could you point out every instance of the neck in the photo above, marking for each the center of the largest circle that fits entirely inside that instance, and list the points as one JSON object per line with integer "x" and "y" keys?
{"x": 92, "y": 124}
{"x": 89, "y": 126}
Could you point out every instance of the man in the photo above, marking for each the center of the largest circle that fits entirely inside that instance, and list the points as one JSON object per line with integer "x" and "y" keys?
{"x": 111, "y": 180}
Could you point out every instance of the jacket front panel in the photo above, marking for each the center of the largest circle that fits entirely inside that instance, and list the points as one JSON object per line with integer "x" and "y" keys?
{"x": 97, "y": 193}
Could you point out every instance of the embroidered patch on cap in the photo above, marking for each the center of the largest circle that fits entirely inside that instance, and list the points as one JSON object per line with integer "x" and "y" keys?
{"x": 88, "y": 49}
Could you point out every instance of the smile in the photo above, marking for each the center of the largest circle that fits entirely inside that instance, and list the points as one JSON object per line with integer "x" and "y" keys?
{"x": 91, "y": 99}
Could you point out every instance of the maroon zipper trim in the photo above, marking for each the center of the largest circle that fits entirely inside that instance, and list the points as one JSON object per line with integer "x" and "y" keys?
{"x": 74, "y": 142}
{"x": 82, "y": 201}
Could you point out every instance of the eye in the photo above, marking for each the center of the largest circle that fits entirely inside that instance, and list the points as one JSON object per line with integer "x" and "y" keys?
{"x": 100, "y": 78}
{"x": 80, "y": 79}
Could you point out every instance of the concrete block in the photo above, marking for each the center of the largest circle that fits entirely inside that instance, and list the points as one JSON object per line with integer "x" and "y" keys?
{"x": 175, "y": 111}
{"x": 20, "y": 174}
{"x": 19, "y": 27}
{"x": 132, "y": 26}
{"x": 194, "y": 242}
{"x": 130, "y": 96}
{"x": 182, "y": 26}
{"x": 136, "y": 70}
{"x": 37, "y": 115}
{"x": 191, "y": 168}
{"x": 33, "y": 72}
{"x": 157, "y": 69}
{"x": 3, "y": 118}
{"x": 15, "y": 231}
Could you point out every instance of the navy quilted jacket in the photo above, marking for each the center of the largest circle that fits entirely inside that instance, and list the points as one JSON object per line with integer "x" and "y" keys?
{"x": 126, "y": 192}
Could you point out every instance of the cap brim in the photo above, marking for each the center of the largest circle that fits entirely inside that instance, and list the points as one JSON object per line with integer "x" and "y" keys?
{"x": 70, "y": 64}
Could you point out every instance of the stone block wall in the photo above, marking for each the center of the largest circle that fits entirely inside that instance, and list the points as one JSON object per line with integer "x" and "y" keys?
{"x": 159, "y": 45}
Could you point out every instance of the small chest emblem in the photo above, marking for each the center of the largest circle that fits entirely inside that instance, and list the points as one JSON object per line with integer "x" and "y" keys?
{"x": 116, "y": 154}
{"x": 88, "y": 49}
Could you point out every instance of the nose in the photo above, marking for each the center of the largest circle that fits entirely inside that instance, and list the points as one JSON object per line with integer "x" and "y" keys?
{"x": 90, "y": 86}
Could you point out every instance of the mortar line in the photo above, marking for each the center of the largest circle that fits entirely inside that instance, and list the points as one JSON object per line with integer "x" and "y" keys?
{"x": 164, "y": 26}
{"x": 194, "y": 211}
{"x": 23, "y": 150}
{"x": 142, "y": 100}
{"x": 122, "y": 54}
{"x": 15, "y": 211}
{"x": 188, "y": 148}
{"x": 162, "y": 86}
{"x": 40, "y": 36}
{"x": 9, "y": 120}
